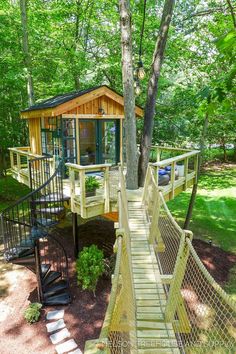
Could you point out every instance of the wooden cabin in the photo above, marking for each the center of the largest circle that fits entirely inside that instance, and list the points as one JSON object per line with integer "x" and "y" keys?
{"x": 83, "y": 127}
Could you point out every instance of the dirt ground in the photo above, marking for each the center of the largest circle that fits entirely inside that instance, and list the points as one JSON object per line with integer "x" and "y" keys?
{"x": 84, "y": 317}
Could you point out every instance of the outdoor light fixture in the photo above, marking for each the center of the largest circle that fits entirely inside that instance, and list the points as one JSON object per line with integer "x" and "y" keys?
{"x": 140, "y": 70}
{"x": 101, "y": 111}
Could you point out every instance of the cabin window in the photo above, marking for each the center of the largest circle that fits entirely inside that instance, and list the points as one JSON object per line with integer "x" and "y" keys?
{"x": 51, "y": 136}
{"x": 69, "y": 140}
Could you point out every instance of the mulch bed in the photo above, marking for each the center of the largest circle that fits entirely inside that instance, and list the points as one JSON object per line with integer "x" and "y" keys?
{"x": 85, "y": 315}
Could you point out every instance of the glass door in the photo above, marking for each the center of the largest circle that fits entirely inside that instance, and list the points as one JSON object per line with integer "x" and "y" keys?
{"x": 99, "y": 141}
{"x": 87, "y": 141}
{"x": 109, "y": 141}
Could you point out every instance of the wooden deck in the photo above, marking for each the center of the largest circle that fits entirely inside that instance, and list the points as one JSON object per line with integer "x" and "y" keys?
{"x": 154, "y": 335}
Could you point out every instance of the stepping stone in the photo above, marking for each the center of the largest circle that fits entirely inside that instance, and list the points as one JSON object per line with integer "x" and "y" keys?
{"x": 77, "y": 351}
{"x": 55, "y": 315}
{"x": 54, "y": 326}
{"x": 59, "y": 336}
{"x": 66, "y": 346}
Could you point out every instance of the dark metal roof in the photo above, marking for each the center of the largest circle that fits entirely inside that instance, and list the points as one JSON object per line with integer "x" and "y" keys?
{"x": 59, "y": 99}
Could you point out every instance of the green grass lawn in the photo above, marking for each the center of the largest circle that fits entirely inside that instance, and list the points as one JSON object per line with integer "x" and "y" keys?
{"x": 214, "y": 214}
{"x": 11, "y": 191}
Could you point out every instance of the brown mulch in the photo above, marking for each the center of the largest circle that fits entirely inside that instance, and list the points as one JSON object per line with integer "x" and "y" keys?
{"x": 85, "y": 315}
{"x": 218, "y": 262}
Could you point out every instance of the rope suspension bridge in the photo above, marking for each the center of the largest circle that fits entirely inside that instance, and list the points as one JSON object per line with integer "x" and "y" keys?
{"x": 163, "y": 300}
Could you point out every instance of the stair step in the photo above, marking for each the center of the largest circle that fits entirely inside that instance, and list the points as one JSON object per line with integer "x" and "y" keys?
{"x": 50, "y": 277}
{"x": 17, "y": 252}
{"x": 25, "y": 261}
{"x": 59, "y": 299}
{"x": 44, "y": 269}
{"x": 53, "y": 210}
{"x": 46, "y": 222}
{"x": 27, "y": 243}
{"x": 37, "y": 233}
{"x": 50, "y": 198}
{"x": 55, "y": 288}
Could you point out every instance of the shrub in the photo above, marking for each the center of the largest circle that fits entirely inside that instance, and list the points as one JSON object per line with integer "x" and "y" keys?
{"x": 32, "y": 313}
{"x": 90, "y": 267}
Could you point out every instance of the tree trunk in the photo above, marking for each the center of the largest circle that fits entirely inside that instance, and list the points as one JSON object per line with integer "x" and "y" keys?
{"x": 152, "y": 90}
{"x": 129, "y": 99}
{"x": 200, "y": 159}
{"x": 26, "y": 52}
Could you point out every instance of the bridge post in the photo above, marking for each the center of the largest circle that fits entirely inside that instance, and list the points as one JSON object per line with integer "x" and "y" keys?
{"x": 75, "y": 234}
{"x": 178, "y": 276}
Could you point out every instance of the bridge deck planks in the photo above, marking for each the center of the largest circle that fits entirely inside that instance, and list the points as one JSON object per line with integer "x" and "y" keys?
{"x": 153, "y": 334}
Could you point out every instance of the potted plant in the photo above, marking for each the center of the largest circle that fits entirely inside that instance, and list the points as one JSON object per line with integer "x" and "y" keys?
{"x": 91, "y": 184}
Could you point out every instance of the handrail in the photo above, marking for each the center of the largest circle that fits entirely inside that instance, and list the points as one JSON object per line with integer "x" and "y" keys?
{"x": 29, "y": 195}
{"x": 88, "y": 167}
{"x": 169, "y": 161}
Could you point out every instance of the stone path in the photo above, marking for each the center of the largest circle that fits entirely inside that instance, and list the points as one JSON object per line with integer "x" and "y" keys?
{"x": 60, "y": 335}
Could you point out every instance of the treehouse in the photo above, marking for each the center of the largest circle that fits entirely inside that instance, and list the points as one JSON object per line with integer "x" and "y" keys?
{"x": 85, "y": 131}
{"x": 83, "y": 127}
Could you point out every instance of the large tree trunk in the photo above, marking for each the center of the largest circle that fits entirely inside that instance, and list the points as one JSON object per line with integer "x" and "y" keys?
{"x": 129, "y": 100}
{"x": 152, "y": 90}
{"x": 26, "y": 52}
{"x": 200, "y": 159}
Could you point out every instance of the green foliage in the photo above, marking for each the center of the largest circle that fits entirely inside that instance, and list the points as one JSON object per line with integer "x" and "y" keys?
{"x": 214, "y": 215}
{"x": 89, "y": 266}
{"x": 10, "y": 191}
{"x": 32, "y": 313}
{"x": 91, "y": 183}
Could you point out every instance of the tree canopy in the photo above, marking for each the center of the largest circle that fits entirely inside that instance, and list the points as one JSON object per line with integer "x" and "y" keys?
{"x": 75, "y": 44}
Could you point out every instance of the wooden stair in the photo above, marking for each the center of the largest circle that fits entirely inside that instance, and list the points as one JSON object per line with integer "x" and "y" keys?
{"x": 153, "y": 333}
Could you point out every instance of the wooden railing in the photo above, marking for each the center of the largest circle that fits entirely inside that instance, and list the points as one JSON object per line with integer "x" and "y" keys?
{"x": 20, "y": 157}
{"x": 88, "y": 206}
{"x": 183, "y": 170}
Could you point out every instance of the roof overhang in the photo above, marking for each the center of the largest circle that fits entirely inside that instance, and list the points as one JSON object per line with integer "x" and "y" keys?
{"x": 80, "y": 100}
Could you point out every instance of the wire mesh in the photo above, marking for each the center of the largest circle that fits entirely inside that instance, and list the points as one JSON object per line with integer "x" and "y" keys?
{"x": 210, "y": 311}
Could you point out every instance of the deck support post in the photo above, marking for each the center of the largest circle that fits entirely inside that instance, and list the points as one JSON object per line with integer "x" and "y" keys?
{"x": 75, "y": 234}
{"x": 38, "y": 271}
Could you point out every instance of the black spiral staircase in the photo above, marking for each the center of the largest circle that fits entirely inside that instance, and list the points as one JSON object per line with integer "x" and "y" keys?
{"x": 27, "y": 228}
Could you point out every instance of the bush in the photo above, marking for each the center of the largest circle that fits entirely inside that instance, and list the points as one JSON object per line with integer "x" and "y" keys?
{"x": 89, "y": 267}
{"x": 32, "y": 313}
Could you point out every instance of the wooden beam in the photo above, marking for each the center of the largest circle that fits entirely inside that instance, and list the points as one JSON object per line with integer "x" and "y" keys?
{"x": 78, "y": 101}
{"x": 93, "y": 116}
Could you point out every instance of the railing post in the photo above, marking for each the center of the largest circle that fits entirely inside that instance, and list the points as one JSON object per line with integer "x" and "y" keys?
{"x": 146, "y": 183}
{"x": 72, "y": 187}
{"x": 172, "y": 179}
{"x": 12, "y": 159}
{"x": 196, "y": 167}
{"x": 158, "y": 152}
{"x": 154, "y": 233}
{"x": 178, "y": 275}
{"x": 18, "y": 162}
{"x": 82, "y": 192}
{"x": 106, "y": 190}
{"x": 185, "y": 173}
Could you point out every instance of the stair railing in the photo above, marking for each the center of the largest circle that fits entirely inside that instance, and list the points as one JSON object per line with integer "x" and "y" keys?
{"x": 30, "y": 218}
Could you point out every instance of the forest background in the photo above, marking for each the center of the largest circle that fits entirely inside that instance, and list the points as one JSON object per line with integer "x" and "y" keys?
{"x": 75, "y": 44}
